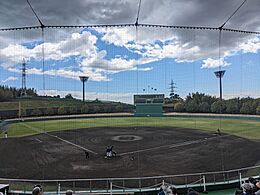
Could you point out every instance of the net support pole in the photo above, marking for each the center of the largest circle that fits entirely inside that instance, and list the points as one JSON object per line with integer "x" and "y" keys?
{"x": 204, "y": 183}
{"x": 83, "y": 91}
{"x": 111, "y": 188}
{"x": 19, "y": 110}
{"x": 220, "y": 88}
{"x": 59, "y": 189}
{"x": 240, "y": 178}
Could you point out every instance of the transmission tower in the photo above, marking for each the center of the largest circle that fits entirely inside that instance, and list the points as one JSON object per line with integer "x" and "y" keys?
{"x": 172, "y": 89}
{"x": 23, "y": 93}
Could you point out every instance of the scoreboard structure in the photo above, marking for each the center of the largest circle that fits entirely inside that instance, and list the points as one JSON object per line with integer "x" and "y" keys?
{"x": 149, "y": 104}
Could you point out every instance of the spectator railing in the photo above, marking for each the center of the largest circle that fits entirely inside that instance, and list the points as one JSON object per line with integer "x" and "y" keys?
{"x": 135, "y": 184}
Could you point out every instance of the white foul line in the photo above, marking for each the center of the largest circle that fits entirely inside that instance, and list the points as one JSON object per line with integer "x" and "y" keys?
{"x": 173, "y": 145}
{"x": 66, "y": 141}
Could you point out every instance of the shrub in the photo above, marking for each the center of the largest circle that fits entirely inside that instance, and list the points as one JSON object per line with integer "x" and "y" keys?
{"x": 218, "y": 107}
{"x": 179, "y": 107}
{"x": 62, "y": 110}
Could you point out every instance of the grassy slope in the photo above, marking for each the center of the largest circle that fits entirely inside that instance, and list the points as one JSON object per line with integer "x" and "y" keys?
{"x": 244, "y": 128}
{"x": 34, "y": 103}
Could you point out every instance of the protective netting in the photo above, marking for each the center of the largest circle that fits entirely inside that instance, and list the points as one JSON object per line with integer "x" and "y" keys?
{"x": 64, "y": 137}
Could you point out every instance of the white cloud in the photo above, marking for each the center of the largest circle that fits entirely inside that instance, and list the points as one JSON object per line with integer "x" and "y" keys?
{"x": 242, "y": 94}
{"x": 11, "y": 78}
{"x": 95, "y": 75}
{"x": 212, "y": 63}
{"x": 77, "y": 44}
{"x": 90, "y": 60}
{"x": 251, "y": 46}
{"x": 93, "y": 62}
{"x": 114, "y": 35}
{"x": 146, "y": 44}
{"x": 144, "y": 69}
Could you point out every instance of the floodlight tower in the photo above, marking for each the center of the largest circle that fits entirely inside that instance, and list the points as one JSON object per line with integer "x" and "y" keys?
{"x": 219, "y": 74}
{"x": 83, "y": 79}
{"x": 23, "y": 93}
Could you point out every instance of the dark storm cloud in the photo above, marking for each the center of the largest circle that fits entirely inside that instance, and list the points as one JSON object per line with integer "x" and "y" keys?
{"x": 202, "y": 13}
{"x": 16, "y": 13}
{"x": 212, "y": 13}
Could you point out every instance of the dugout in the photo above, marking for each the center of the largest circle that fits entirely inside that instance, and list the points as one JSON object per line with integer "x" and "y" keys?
{"x": 149, "y": 104}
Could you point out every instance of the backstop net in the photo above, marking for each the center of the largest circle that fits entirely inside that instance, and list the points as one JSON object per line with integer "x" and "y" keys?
{"x": 69, "y": 95}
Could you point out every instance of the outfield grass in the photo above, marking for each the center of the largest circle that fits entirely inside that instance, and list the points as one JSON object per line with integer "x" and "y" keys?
{"x": 240, "y": 127}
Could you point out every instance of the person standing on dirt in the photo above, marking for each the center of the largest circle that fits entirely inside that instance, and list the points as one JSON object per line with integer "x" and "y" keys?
{"x": 112, "y": 151}
{"x": 87, "y": 154}
{"x": 132, "y": 157}
{"x": 218, "y": 132}
{"x": 109, "y": 152}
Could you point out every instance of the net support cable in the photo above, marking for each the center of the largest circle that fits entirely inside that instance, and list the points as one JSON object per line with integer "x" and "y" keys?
{"x": 132, "y": 25}
{"x": 221, "y": 28}
{"x": 136, "y": 24}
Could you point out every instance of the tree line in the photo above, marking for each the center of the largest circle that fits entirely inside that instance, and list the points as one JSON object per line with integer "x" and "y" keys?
{"x": 10, "y": 93}
{"x": 88, "y": 108}
{"x": 84, "y": 108}
{"x": 193, "y": 103}
{"x": 202, "y": 103}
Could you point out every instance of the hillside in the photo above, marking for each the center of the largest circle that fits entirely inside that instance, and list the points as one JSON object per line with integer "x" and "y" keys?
{"x": 40, "y": 106}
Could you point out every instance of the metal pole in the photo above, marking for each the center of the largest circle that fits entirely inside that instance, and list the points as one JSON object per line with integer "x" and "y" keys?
{"x": 19, "y": 112}
{"x": 240, "y": 179}
{"x": 59, "y": 189}
{"x": 74, "y": 186}
{"x": 83, "y": 91}
{"x": 111, "y": 188}
{"x": 204, "y": 184}
{"x": 220, "y": 88}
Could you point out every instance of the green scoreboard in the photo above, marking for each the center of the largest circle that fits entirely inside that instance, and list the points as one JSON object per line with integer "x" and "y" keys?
{"x": 149, "y": 104}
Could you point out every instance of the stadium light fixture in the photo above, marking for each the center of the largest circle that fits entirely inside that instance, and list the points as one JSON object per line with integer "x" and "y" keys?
{"x": 219, "y": 74}
{"x": 83, "y": 79}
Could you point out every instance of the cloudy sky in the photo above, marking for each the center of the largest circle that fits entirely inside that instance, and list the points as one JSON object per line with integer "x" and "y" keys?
{"x": 123, "y": 61}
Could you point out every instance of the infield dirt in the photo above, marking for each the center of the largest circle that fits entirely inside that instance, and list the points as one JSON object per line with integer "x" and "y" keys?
{"x": 141, "y": 151}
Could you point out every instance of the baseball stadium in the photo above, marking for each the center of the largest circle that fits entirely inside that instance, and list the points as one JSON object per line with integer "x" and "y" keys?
{"x": 129, "y": 97}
